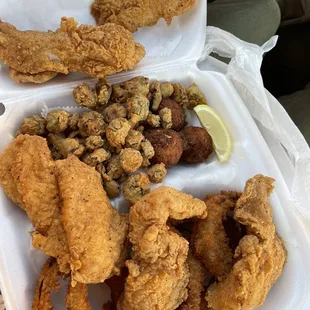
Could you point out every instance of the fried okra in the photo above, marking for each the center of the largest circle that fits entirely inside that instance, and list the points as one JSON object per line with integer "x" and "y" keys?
{"x": 131, "y": 159}
{"x": 179, "y": 95}
{"x": 114, "y": 168}
{"x": 197, "y": 145}
{"x": 167, "y": 144}
{"x": 112, "y": 188}
{"x": 117, "y": 132}
{"x": 166, "y": 89}
{"x": 57, "y": 121}
{"x": 195, "y": 97}
{"x": 93, "y": 142}
{"x": 98, "y": 156}
{"x": 153, "y": 120}
{"x": 138, "y": 108}
{"x": 66, "y": 146}
{"x": 114, "y": 111}
{"x": 103, "y": 91}
{"x": 123, "y": 91}
{"x": 84, "y": 96}
{"x": 91, "y": 124}
{"x": 156, "y": 95}
{"x": 147, "y": 149}
{"x": 157, "y": 173}
{"x": 134, "y": 139}
{"x": 166, "y": 118}
{"x": 33, "y": 125}
{"x": 177, "y": 114}
{"x": 136, "y": 186}
{"x": 73, "y": 122}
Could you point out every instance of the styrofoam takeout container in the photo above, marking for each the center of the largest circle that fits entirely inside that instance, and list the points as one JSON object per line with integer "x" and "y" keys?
{"x": 20, "y": 264}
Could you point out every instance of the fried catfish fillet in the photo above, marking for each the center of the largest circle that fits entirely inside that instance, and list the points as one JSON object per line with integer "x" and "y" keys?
{"x": 134, "y": 14}
{"x": 27, "y": 177}
{"x": 158, "y": 272}
{"x": 96, "y": 232}
{"x": 195, "y": 285}
{"x": 46, "y": 284}
{"x": 260, "y": 255}
{"x": 76, "y": 298}
{"x": 210, "y": 241}
{"x": 37, "y": 57}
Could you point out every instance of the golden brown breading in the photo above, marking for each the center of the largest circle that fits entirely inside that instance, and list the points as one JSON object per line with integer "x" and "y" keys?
{"x": 260, "y": 255}
{"x": 210, "y": 242}
{"x": 158, "y": 272}
{"x": 195, "y": 285}
{"x": 76, "y": 298}
{"x": 46, "y": 284}
{"x": 134, "y": 14}
{"x": 36, "y": 56}
{"x": 96, "y": 232}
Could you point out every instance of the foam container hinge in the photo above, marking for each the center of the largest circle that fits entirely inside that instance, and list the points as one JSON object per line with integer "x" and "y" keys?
{"x": 20, "y": 264}
{"x": 181, "y": 42}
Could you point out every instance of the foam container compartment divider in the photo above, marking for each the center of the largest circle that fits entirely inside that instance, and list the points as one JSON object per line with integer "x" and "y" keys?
{"x": 20, "y": 264}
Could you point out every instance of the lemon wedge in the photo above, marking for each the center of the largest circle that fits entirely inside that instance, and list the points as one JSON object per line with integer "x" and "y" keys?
{"x": 212, "y": 122}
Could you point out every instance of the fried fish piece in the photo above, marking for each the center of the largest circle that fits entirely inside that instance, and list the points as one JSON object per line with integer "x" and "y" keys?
{"x": 76, "y": 298}
{"x": 27, "y": 176}
{"x": 210, "y": 242}
{"x": 35, "y": 56}
{"x": 96, "y": 232}
{"x": 158, "y": 272}
{"x": 134, "y": 14}
{"x": 260, "y": 255}
{"x": 46, "y": 284}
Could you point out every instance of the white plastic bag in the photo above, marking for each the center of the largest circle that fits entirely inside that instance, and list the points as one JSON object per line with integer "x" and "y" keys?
{"x": 278, "y": 128}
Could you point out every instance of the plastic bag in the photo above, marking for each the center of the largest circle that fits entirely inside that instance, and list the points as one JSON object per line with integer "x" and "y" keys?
{"x": 244, "y": 72}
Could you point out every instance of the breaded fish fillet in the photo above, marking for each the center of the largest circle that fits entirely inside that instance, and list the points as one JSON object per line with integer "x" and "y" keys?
{"x": 35, "y": 56}
{"x": 96, "y": 232}
{"x": 134, "y": 14}
{"x": 158, "y": 271}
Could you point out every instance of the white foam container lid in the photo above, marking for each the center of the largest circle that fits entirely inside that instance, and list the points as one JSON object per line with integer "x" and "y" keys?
{"x": 20, "y": 264}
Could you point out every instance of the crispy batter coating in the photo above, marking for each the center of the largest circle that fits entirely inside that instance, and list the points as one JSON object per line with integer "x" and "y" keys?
{"x": 131, "y": 159}
{"x": 36, "y": 56}
{"x": 177, "y": 120}
{"x": 136, "y": 186}
{"x": 73, "y": 123}
{"x": 76, "y": 298}
{"x": 96, "y": 232}
{"x": 153, "y": 120}
{"x": 166, "y": 89}
{"x": 57, "y": 121}
{"x": 113, "y": 111}
{"x": 197, "y": 145}
{"x": 167, "y": 144}
{"x": 117, "y": 132}
{"x": 134, "y": 139}
{"x": 98, "y": 156}
{"x": 195, "y": 97}
{"x": 158, "y": 272}
{"x": 123, "y": 91}
{"x": 147, "y": 149}
{"x": 138, "y": 108}
{"x": 93, "y": 142}
{"x": 66, "y": 146}
{"x": 260, "y": 255}
{"x": 84, "y": 96}
{"x": 134, "y": 14}
{"x": 195, "y": 285}
{"x": 91, "y": 124}
{"x": 46, "y": 284}
{"x": 33, "y": 125}
{"x": 180, "y": 95}
{"x": 210, "y": 242}
{"x": 165, "y": 115}
{"x": 157, "y": 173}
